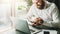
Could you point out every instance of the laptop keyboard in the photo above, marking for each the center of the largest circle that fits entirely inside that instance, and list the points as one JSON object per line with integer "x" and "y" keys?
{"x": 34, "y": 30}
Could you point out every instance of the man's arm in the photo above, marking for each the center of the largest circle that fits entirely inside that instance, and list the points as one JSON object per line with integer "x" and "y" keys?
{"x": 30, "y": 14}
{"x": 55, "y": 17}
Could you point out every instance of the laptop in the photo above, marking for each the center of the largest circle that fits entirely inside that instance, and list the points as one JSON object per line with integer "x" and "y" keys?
{"x": 22, "y": 26}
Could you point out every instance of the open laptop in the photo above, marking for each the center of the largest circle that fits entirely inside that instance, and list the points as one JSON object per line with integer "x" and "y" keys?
{"x": 23, "y": 27}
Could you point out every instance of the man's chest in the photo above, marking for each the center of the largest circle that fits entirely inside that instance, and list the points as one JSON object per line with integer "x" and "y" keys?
{"x": 44, "y": 14}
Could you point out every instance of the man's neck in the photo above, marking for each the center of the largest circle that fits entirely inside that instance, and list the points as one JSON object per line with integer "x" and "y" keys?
{"x": 43, "y": 5}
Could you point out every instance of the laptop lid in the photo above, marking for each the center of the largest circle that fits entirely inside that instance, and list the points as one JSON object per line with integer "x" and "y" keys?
{"x": 22, "y": 26}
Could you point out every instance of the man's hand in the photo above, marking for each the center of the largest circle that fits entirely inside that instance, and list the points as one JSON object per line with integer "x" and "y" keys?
{"x": 37, "y": 21}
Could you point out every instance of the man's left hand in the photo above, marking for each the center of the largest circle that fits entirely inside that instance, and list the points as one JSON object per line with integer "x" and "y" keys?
{"x": 37, "y": 21}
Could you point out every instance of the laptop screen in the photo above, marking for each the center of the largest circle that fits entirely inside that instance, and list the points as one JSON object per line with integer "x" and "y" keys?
{"x": 22, "y": 26}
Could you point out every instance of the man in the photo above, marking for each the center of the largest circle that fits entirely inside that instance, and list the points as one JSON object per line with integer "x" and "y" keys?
{"x": 43, "y": 13}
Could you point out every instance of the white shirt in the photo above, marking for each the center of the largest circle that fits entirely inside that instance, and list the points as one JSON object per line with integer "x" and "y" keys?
{"x": 50, "y": 14}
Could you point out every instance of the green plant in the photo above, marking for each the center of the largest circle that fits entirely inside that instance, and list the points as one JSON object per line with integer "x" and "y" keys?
{"x": 20, "y": 7}
{"x": 29, "y": 2}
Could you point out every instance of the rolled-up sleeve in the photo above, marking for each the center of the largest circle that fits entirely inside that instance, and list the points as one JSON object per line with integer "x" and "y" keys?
{"x": 55, "y": 16}
{"x": 55, "y": 22}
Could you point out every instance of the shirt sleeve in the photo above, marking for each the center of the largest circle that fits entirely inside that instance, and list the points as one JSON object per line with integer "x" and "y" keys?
{"x": 29, "y": 15}
{"x": 55, "y": 17}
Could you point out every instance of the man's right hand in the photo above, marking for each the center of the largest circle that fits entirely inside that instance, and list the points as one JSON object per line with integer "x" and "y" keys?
{"x": 37, "y": 21}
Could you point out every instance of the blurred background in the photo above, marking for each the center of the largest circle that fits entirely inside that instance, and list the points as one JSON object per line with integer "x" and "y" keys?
{"x": 11, "y": 10}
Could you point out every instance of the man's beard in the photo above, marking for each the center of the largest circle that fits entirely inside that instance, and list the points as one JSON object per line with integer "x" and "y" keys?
{"x": 42, "y": 6}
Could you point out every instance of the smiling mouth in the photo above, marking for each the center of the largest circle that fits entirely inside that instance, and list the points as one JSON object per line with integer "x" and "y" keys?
{"x": 38, "y": 5}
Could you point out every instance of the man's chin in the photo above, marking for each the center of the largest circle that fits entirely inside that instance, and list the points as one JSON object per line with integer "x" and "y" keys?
{"x": 39, "y": 7}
